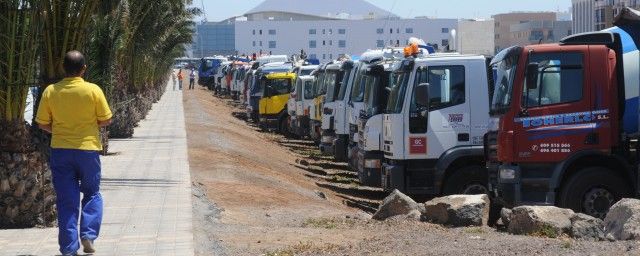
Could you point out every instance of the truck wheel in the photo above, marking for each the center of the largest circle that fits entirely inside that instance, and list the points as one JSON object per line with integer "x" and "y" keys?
{"x": 470, "y": 180}
{"x": 284, "y": 126}
{"x": 593, "y": 191}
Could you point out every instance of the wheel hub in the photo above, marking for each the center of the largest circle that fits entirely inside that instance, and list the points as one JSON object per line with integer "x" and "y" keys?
{"x": 597, "y": 202}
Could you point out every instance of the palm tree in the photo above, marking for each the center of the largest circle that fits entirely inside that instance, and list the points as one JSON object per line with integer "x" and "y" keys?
{"x": 26, "y": 196}
{"x": 130, "y": 46}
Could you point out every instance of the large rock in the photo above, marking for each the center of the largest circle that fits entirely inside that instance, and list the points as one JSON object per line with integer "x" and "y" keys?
{"x": 505, "y": 216}
{"x": 586, "y": 227}
{"x": 397, "y": 205}
{"x": 549, "y": 221}
{"x": 623, "y": 220}
{"x": 458, "y": 210}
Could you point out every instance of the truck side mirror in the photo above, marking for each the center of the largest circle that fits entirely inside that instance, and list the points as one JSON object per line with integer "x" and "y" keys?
{"x": 532, "y": 76}
{"x": 422, "y": 95}
{"x": 422, "y": 98}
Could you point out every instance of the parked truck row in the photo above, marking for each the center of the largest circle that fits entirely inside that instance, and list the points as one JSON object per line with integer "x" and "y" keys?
{"x": 547, "y": 124}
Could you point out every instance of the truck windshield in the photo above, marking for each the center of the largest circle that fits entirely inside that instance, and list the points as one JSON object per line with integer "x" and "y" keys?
{"x": 331, "y": 82}
{"x": 277, "y": 87}
{"x": 375, "y": 95}
{"x": 305, "y": 72}
{"x": 345, "y": 81}
{"x": 506, "y": 72}
{"x": 398, "y": 82}
{"x": 308, "y": 90}
{"x": 318, "y": 85}
{"x": 357, "y": 92}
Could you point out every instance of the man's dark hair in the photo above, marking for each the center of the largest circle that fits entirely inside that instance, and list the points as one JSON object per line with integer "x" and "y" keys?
{"x": 73, "y": 63}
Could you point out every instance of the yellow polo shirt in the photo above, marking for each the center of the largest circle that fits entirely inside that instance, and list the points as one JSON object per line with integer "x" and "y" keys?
{"x": 73, "y": 107}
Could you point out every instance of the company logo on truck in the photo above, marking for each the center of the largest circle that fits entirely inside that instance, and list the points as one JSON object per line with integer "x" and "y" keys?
{"x": 417, "y": 145}
{"x": 577, "y": 120}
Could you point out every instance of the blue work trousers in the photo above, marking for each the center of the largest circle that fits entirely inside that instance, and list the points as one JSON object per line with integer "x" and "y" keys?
{"x": 73, "y": 172}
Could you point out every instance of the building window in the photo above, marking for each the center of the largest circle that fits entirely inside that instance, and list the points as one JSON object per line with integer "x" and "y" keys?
{"x": 330, "y": 42}
{"x": 324, "y": 31}
{"x": 330, "y": 31}
{"x": 342, "y": 31}
{"x": 312, "y": 31}
{"x": 390, "y": 31}
{"x": 379, "y": 31}
{"x": 409, "y": 30}
{"x": 397, "y": 31}
{"x": 254, "y": 32}
{"x": 324, "y": 42}
{"x": 380, "y": 44}
{"x": 272, "y": 31}
{"x": 272, "y": 44}
{"x": 261, "y": 32}
{"x": 445, "y": 42}
{"x": 445, "y": 30}
{"x": 313, "y": 56}
{"x": 324, "y": 56}
{"x": 342, "y": 43}
{"x": 260, "y": 43}
{"x": 254, "y": 43}
{"x": 312, "y": 44}
{"x": 397, "y": 42}
{"x": 330, "y": 56}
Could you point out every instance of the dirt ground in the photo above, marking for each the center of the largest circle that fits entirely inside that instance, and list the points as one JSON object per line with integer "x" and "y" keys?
{"x": 250, "y": 198}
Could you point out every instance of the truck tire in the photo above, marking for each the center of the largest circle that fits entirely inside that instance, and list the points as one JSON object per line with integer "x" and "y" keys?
{"x": 283, "y": 126}
{"x": 593, "y": 191}
{"x": 470, "y": 180}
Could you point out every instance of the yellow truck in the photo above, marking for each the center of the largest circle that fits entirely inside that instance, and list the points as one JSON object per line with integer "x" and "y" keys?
{"x": 276, "y": 89}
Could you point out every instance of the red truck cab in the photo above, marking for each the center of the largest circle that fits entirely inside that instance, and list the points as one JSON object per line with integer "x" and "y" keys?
{"x": 557, "y": 132}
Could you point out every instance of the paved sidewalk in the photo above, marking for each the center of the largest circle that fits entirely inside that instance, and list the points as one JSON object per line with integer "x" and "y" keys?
{"x": 147, "y": 193}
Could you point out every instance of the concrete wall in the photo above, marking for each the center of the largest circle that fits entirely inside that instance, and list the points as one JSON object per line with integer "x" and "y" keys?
{"x": 476, "y": 37}
{"x": 359, "y": 35}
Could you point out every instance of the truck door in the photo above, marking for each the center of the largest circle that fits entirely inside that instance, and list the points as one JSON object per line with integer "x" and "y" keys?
{"x": 556, "y": 116}
{"x": 448, "y": 112}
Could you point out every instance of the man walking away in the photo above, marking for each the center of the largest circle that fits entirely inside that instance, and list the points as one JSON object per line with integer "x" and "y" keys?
{"x": 180, "y": 77}
{"x": 73, "y": 110}
{"x": 192, "y": 79}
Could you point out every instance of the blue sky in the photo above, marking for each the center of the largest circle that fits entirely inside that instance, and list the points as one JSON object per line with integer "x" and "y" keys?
{"x": 221, "y": 9}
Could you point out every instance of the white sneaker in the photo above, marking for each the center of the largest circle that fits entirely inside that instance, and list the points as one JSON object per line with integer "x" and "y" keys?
{"x": 88, "y": 246}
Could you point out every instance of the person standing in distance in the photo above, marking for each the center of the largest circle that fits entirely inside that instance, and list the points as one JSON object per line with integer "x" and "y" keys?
{"x": 180, "y": 77}
{"x": 73, "y": 111}
{"x": 192, "y": 79}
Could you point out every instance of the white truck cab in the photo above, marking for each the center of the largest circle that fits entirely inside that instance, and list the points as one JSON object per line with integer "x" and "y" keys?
{"x": 334, "y": 74}
{"x": 436, "y": 117}
{"x": 298, "y": 105}
{"x": 335, "y": 123}
{"x": 356, "y": 104}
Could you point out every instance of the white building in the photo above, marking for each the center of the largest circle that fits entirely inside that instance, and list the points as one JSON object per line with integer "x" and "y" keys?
{"x": 584, "y": 17}
{"x": 323, "y": 29}
{"x": 476, "y": 37}
{"x": 326, "y": 39}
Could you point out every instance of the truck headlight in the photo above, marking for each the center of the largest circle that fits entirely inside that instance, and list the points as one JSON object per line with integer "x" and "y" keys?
{"x": 507, "y": 173}
{"x": 372, "y": 163}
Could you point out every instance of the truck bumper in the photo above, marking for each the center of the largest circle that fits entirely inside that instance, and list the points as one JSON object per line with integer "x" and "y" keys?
{"x": 326, "y": 142}
{"x": 370, "y": 167}
{"x": 269, "y": 122}
{"x": 410, "y": 177}
{"x": 340, "y": 145}
{"x": 511, "y": 186}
